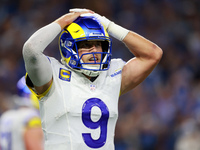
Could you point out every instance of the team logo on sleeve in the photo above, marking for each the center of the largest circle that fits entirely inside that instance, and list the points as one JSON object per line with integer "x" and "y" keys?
{"x": 116, "y": 73}
{"x": 65, "y": 75}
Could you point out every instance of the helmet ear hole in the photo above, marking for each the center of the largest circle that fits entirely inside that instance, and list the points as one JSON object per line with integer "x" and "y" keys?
{"x": 75, "y": 48}
{"x": 105, "y": 46}
{"x": 105, "y": 49}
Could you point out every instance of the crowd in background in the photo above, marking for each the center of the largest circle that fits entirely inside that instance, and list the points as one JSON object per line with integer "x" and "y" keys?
{"x": 162, "y": 113}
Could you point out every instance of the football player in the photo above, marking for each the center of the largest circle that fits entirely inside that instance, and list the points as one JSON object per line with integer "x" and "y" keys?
{"x": 20, "y": 128}
{"x": 79, "y": 95}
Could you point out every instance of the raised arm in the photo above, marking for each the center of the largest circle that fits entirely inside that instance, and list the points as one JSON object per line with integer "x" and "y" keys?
{"x": 36, "y": 63}
{"x": 147, "y": 56}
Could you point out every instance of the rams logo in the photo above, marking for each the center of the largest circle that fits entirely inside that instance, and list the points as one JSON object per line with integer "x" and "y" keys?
{"x": 65, "y": 75}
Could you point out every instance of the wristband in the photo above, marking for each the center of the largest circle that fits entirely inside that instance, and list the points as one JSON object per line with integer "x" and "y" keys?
{"x": 117, "y": 31}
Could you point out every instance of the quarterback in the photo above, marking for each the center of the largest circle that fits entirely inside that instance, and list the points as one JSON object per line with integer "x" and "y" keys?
{"x": 79, "y": 94}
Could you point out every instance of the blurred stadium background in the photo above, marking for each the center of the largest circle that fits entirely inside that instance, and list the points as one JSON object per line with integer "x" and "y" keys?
{"x": 163, "y": 113}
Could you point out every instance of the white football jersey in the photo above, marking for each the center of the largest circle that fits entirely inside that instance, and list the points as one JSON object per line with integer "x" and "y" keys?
{"x": 78, "y": 114}
{"x": 12, "y": 126}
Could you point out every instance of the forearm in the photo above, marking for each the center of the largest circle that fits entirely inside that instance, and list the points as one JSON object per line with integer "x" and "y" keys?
{"x": 36, "y": 63}
{"x": 138, "y": 45}
{"x": 66, "y": 19}
{"x": 147, "y": 56}
{"x": 141, "y": 47}
{"x": 117, "y": 31}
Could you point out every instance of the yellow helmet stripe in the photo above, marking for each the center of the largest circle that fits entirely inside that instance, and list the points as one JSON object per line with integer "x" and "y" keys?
{"x": 106, "y": 33}
{"x": 76, "y": 31}
{"x": 34, "y": 122}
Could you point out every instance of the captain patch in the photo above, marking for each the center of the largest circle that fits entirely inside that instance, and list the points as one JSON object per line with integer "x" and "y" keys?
{"x": 65, "y": 75}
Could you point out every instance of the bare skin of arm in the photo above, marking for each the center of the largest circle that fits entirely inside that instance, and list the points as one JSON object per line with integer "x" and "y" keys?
{"x": 147, "y": 56}
{"x": 33, "y": 138}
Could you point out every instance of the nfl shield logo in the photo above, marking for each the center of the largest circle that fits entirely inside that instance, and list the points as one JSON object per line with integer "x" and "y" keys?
{"x": 92, "y": 87}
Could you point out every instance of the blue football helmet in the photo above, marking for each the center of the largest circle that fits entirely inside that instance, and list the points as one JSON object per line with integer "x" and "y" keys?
{"x": 85, "y": 29}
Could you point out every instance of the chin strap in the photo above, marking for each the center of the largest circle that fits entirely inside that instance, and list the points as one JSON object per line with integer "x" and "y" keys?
{"x": 90, "y": 73}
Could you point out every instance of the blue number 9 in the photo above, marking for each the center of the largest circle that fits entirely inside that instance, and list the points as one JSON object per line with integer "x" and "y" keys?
{"x": 102, "y": 122}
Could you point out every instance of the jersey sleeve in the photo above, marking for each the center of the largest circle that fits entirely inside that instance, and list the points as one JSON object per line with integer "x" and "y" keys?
{"x": 32, "y": 119}
{"x": 33, "y": 122}
{"x": 116, "y": 66}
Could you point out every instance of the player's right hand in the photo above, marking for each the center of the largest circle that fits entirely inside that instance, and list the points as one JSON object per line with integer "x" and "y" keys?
{"x": 102, "y": 19}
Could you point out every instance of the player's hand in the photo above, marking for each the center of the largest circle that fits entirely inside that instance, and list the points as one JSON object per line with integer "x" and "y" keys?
{"x": 68, "y": 18}
{"x": 81, "y": 10}
{"x": 102, "y": 19}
